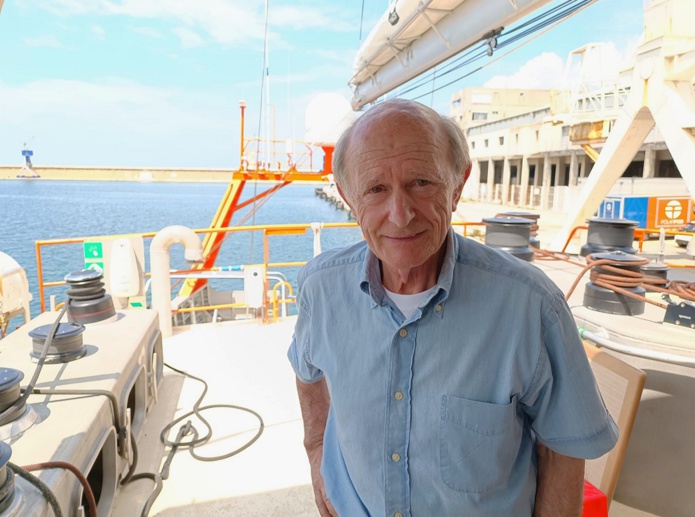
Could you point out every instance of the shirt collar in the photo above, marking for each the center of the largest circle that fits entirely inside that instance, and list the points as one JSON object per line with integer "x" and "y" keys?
{"x": 370, "y": 278}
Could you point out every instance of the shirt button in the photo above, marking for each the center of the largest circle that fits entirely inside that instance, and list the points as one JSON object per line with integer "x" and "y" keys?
{"x": 403, "y": 333}
{"x": 438, "y": 308}
{"x": 398, "y": 395}
{"x": 398, "y": 514}
{"x": 396, "y": 457}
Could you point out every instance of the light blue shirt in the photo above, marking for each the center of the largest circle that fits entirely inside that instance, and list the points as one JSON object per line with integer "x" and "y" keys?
{"x": 438, "y": 414}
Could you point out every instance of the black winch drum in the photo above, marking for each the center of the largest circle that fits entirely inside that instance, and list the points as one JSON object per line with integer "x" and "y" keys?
{"x": 658, "y": 271}
{"x": 7, "y": 490}
{"x": 533, "y": 240}
{"x": 88, "y": 301}
{"x": 607, "y": 235}
{"x": 66, "y": 345}
{"x": 510, "y": 234}
{"x": 606, "y": 300}
{"x": 9, "y": 387}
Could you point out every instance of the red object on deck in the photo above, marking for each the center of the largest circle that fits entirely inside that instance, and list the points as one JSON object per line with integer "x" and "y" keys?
{"x": 595, "y": 502}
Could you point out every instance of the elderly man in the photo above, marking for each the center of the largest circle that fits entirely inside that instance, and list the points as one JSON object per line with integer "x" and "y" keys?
{"x": 436, "y": 376}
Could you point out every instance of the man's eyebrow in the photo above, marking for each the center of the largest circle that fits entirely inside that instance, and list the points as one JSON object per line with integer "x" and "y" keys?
{"x": 371, "y": 182}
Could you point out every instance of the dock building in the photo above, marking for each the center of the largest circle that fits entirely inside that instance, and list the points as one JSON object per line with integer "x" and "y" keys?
{"x": 535, "y": 148}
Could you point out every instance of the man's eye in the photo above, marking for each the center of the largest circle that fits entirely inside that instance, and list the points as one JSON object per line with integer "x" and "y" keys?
{"x": 422, "y": 183}
{"x": 375, "y": 190}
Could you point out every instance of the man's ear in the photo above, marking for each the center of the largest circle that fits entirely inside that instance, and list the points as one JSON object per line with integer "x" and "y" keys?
{"x": 456, "y": 197}
{"x": 459, "y": 189}
{"x": 466, "y": 174}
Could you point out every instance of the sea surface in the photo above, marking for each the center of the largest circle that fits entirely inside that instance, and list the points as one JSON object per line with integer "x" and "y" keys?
{"x": 33, "y": 210}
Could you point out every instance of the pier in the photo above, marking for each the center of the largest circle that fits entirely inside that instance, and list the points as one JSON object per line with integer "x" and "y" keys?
{"x": 330, "y": 193}
{"x": 72, "y": 173}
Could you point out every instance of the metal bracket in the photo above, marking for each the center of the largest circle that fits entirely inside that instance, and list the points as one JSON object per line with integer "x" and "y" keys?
{"x": 491, "y": 38}
{"x": 681, "y": 314}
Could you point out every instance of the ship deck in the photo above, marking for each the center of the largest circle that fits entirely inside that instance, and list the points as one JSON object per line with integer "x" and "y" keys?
{"x": 244, "y": 364}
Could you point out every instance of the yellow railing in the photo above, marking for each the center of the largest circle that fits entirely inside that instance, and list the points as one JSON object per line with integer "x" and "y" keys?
{"x": 268, "y": 231}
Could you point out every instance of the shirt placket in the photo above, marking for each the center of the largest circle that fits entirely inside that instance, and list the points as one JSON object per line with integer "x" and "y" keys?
{"x": 399, "y": 414}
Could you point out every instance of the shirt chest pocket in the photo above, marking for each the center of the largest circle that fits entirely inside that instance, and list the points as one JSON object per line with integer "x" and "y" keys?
{"x": 479, "y": 443}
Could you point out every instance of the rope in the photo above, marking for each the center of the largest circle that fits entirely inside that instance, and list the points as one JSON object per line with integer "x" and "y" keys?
{"x": 610, "y": 275}
{"x": 47, "y": 493}
{"x": 91, "y": 501}
{"x": 685, "y": 290}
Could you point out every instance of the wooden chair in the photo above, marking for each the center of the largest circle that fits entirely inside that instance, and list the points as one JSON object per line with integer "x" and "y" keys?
{"x": 621, "y": 388}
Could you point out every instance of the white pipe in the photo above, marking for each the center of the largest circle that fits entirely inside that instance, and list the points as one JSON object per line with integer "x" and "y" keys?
{"x": 316, "y": 228}
{"x": 159, "y": 263}
{"x": 636, "y": 352}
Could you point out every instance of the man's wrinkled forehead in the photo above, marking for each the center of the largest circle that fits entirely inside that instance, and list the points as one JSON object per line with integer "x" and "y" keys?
{"x": 399, "y": 121}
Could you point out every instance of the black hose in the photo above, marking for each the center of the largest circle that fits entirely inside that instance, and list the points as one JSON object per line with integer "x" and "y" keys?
{"x": 157, "y": 489}
{"x": 197, "y": 441}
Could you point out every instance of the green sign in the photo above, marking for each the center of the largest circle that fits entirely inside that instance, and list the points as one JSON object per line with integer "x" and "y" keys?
{"x": 99, "y": 266}
{"x": 93, "y": 251}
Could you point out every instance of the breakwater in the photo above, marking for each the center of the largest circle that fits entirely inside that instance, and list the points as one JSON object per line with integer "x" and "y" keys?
{"x": 330, "y": 193}
{"x": 69, "y": 173}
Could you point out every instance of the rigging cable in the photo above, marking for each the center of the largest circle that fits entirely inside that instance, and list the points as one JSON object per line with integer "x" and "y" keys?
{"x": 563, "y": 14}
{"x": 264, "y": 77}
{"x": 361, "y": 20}
{"x": 543, "y": 21}
{"x": 550, "y": 23}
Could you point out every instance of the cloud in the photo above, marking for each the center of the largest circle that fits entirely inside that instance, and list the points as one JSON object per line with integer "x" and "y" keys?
{"x": 304, "y": 17}
{"x": 541, "y": 72}
{"x": 43, "y": 41}
{"x": 64, "y": 7}
{"x": 226, "y": 22}
{"x": 344, "y": 57}
{"x": 188, "y": 38}
{"x": 599, "y": 63}
{"x": 148, "y": 32}
{"x": 114, "y": 116}
{"x": 99, "y": 32}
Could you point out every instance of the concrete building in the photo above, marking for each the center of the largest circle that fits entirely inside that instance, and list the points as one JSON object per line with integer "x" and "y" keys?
{"x": 534, "y": 148}
{"x": 475, "y": 106}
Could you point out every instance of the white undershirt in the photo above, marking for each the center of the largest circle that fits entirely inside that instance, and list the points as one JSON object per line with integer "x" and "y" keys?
{"x": 408, "y": 303}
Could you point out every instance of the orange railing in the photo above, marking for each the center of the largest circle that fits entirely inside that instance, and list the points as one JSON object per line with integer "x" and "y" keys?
{"x": 267, "y": 230}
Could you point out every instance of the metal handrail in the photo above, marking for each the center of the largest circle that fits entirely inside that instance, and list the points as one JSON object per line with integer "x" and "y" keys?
{"x": 268, "y": 230}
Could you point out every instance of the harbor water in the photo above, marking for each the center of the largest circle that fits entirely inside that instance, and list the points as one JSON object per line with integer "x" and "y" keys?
{"x": 38, "y": 210}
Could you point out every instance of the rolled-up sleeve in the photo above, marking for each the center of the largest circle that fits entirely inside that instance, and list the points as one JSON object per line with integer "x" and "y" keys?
{"x": 563, "y": 402}
{"x": 298, "y": 353}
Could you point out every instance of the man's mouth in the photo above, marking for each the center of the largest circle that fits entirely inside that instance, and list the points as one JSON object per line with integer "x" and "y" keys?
{"x": 405, "y": 237}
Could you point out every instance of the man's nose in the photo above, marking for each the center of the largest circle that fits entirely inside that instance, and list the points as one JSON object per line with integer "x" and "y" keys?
{"x": 401, "y": 210}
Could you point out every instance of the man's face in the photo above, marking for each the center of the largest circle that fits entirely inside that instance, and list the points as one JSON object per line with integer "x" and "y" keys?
{"x": 402, "y": 191}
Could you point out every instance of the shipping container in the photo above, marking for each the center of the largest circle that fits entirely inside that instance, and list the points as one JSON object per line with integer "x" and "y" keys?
{"x": 650, "y": 212}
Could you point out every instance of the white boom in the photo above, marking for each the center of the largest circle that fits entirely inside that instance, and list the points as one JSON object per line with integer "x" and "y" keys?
{"x": 422, "y": 34}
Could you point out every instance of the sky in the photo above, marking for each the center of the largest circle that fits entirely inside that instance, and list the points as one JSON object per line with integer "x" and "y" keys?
{"x": 157, "y": 83}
